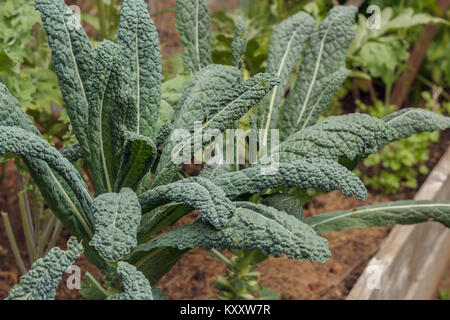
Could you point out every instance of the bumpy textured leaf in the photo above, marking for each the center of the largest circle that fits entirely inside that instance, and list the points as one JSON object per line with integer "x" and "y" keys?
{"x": 196, "y": 192}
{"x": 59, "y": 197}
{"x": 348, "y": 136}
{"x": 54, "y": 189}
{"x": 234, "y": 102}
{"x": 103, "y": 99}
{"x": 357, "y": 135}
{"x": 72, "y": 152}
{"x": 386, "y": 214}
{"x": 223, "y": 109}
{"x": 138, "y": 155}
{"x": 286, "y": 45}
{"x": 239, "y": 44}
{"x": 193, "y": 23}
{"x": 290, "y": 204}
{"x": 210, "y": 171}
{"x": 321, "y": 72}
{"x": 138, "y": 35}
{"x": 163, "y": 134}
{"x": 73, "y": 58}
{"x": 230, "y": 105}
{"x": 198, "y": 97}
{"x": 11, "y": 114}
{"x": 135, "y": 285}
{"x": 158, "y": 294}
{"x": 409, "y": 121}
{"x": 311, "y": 173}
{"x": 30, "y": 146}
{"x": 164, "y": 176}
{"x": 160, "y": 139}
{"x": 116, "y": 218}
{"x": 41, "y": 281}
{"x": 253, "y": 226}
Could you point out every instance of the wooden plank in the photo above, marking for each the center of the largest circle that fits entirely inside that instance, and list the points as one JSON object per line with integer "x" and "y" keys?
{"x": 411, "y": 259}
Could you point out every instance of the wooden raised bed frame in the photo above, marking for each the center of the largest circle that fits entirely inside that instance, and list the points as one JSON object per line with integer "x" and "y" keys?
{"x": 412, "y": 259}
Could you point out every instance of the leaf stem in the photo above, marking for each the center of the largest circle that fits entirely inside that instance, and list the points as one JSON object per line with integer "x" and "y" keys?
{"x": 13, "y": 243}
{"x": 46, "y": 232}
{"x": 27, "y": 227}
{"x": 97, "y": 283}
{"x": 216, "y": 253}
{"x": 55, "y": 236}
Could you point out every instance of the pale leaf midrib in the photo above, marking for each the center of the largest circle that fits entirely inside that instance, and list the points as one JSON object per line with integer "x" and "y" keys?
{"x": 74, "y": 59}
{"x": 316, "y": 70}
{"x": 221, "y": 111}
{"x": 138, "y": 80}
{"x": 280, "y": 68}
{"x": 197, "y": 49}
{"x": 378, "y": 209}
{"x": 116, "y": 212}
{"x": 72, "y": 205}
{"x": 102, "y": 150}
{"x": 229, "y": 105}
{"x": 317, "y": 102}
{"x": 400, "y": 116}
{"x": 273, "y": 220}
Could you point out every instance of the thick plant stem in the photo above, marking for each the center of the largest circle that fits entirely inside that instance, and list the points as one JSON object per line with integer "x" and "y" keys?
{"x": 97, "y": 284}
{"x": 13, "y": 243}
{"x": 26, "y": 202}
{"x": 239, "y": 282}
{"x": 45, "y": 235}
{"x": 55, "y": 236}
{"x": 37, "y": 211}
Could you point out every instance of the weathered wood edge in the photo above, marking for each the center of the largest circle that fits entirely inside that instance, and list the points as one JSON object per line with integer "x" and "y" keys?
{"x": 412, "y": 259}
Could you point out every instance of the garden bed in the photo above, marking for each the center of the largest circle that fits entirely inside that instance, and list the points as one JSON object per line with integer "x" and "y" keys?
{"x": 194, "y": 275}
{"x": 412, "y": 259}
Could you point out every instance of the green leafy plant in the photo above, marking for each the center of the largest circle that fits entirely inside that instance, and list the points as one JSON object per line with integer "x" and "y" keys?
{"x": 107, "y": 19}
{"x": 314, "y": 94}
{"x": 113, "y": 96}
{"x": 25, "y": 67}
{"x": 261, "y": 17}
{"x": 382, "y": 52}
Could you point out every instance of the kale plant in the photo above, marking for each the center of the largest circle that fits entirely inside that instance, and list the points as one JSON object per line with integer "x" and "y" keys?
{"x": 113, "y": 95}
{"x": 321, "y": 49}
